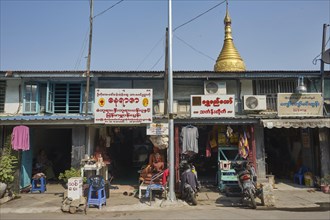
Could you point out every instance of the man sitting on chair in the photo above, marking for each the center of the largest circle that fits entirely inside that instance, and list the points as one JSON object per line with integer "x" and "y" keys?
{"x": 156, "y": 167}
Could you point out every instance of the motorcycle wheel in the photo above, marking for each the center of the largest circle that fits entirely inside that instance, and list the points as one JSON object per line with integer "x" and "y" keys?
{"x": 253, "y": 201}
{"x": 193, "y": 198}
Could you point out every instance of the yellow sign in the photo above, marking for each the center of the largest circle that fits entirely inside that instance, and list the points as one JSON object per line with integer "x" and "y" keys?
{"x": 294, "y": 104}
{"x": 101, "y": 102}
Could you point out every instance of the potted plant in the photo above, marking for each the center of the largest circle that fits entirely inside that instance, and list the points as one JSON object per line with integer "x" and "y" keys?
{"x": 8, "y": 167}
{"x": 325, "y": 183}
{"x": 67, "y": 174}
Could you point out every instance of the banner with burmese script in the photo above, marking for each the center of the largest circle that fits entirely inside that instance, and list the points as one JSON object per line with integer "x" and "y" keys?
{"x": 296, "y": 104}
{"x": 123, "y": 106}
{"x": 212, "y": 106}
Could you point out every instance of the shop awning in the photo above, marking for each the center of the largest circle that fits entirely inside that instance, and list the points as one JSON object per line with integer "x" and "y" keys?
{"x": 297, "y": 123}
{"x": 45, "y": 119}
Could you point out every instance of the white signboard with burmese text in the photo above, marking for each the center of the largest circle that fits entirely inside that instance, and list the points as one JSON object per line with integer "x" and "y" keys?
{"x": 295, "y": 104}
{"x": 212, "y": 106}
{"x": 157, "y": 129}
{"x": 123, "y": 106}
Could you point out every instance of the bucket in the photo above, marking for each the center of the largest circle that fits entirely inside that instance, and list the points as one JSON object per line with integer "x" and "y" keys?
{"x": 308, "y": 179}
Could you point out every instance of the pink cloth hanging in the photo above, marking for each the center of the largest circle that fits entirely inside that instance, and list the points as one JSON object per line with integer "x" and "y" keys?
{"x": 20, "y": 139}
{"x": 208, "y": 151}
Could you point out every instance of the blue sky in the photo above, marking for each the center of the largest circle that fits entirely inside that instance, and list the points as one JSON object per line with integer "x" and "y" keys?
{"x": 53, "y": 34}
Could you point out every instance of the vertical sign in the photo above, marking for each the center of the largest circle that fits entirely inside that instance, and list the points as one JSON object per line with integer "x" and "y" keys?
{"x": 123, "y": 106}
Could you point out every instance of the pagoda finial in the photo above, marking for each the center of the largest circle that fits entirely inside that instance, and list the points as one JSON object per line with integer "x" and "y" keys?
{"x": 229, "y": 58}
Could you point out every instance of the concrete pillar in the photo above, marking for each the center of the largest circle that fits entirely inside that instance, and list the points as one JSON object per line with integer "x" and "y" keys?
{"x": 260, "y": 151}
{"x": 324, "y": 150}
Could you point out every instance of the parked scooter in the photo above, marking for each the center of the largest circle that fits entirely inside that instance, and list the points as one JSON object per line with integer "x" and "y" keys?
{"x": 247, "y": 182}
{"x": 189, "y": 184}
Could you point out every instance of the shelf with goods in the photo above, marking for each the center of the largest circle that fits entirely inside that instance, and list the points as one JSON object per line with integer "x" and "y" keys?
{"x": 227, "y": 153}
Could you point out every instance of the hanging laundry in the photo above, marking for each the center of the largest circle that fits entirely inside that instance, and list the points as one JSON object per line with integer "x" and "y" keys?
{"x": 243, "y": 145}
{"x": 20, "y": 138}
{"x": 208, "y": 151}
{"x": 189, "y": 139}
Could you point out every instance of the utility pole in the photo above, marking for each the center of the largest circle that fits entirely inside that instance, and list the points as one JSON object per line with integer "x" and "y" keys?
{"x": 322, "y": 54}
{"x": 170, "y": 106}
{"x": 166, "y": 76}
{"x": 89, "y": 56}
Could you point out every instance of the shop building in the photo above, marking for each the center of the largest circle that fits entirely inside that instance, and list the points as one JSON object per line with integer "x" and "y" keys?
{"x": 226, "y": 106}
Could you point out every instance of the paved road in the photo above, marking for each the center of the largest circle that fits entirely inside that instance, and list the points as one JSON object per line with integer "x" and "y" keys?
{"x": 192, "y": 212}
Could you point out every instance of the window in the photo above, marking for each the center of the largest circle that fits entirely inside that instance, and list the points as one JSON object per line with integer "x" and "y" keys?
{"x": 56, "y": 98}
{"x": 67, "y": 98}
{"x": 2, "y": 95}
{"x": 31, "y": 98}
{"x": 270, "y": 88}
{"x": 50, "y": 98}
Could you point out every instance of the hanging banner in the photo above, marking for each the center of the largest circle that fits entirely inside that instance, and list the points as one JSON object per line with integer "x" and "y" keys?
{"x": 295, "y": 104}
{"x": 123, "y": 106}
{"x": 212, "y": 106}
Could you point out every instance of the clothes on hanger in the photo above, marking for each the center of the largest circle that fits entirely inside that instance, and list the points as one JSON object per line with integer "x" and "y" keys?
{"x": 189, "y": 139}
{"x": 20, "y": 139}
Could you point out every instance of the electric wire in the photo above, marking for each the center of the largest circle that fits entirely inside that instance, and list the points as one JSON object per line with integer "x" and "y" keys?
{"x": 108, "y": 8}
{"x": 198, "y": 51}
{"x": 149, "y": 52}
{"x": 198, "y": 15}
{"x": 187, "y": 22}
{"x": 156, "y": 62}
{"x": 82, "y": 50}
{"x": 314, "y": 61}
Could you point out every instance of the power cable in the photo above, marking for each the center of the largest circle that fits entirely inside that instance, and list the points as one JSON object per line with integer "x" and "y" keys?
{"x": 149, "y": 53}
{"x": 157, "y": 62}
{"x": 198, "y": 51}
{"x": 83, "y": 48}
{"x": 314, "y": 61}
{"x": 199, "y": 15}
{"x": 108, "y": 9}
{"x": 186, "y": 24}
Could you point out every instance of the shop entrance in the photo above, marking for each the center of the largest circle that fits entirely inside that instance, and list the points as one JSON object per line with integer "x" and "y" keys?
{"x": 286, "y": 152}
{"x": 56, "y": 144}
{"x": 128, "y": 150}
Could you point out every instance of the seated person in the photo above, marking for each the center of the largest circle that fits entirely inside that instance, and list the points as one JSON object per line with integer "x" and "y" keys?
{"x": 156, "y": 167}
{"x": 188, "y": 178}
{"x": 152, "y": 157}
{"x": 44, "y": 165}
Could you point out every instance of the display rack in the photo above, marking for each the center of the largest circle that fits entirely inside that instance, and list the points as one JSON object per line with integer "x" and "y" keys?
{"x": 226, "y": 176}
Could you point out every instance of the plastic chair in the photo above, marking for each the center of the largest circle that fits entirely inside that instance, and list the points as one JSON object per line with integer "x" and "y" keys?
{"x": 96, "y": 191}
{"x": 158, "y": 183}
{"x": 39, "y": 184}
{"x": 300, "y": 175}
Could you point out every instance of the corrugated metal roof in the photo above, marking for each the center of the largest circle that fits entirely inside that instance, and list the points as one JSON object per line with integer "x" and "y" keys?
{"x": 47, "y": 120}
{"x": 296, "y": 123}
{"x": 45, "y": 117}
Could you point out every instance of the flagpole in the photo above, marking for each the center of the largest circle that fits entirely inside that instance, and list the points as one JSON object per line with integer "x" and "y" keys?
{"x": 170, "y": 106}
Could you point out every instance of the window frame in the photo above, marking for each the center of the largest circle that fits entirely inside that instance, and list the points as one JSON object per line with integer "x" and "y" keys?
{"x": 34, "y": 98}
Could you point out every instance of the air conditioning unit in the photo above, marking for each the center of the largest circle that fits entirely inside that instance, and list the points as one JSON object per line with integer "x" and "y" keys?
{"x": 255, "y": 102}
{"x": 214, "y": 87}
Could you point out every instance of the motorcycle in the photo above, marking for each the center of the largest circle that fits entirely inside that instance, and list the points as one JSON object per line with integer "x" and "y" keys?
{"x": 190, "y": 194}
{"x": 247, "y": 182}
{"x": 189, "y": 189}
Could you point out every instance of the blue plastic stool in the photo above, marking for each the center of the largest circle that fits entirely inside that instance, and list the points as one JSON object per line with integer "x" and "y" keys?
{"x": 96, "y": 196}
{"x": 300, "y": 175}
{"x": 39, "y": 185}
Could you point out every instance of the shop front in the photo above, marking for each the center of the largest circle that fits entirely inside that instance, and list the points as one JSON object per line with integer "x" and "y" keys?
{"x": 298, "y": 137}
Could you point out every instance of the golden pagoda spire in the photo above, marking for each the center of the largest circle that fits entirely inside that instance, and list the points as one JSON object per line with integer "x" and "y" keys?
{"x": 229, "y": 58}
